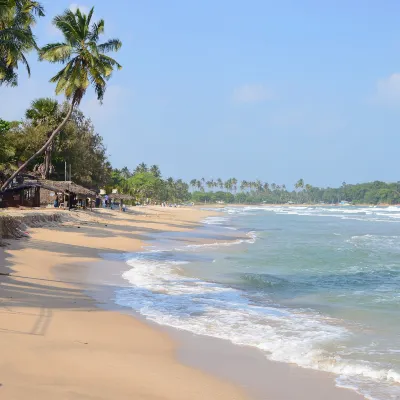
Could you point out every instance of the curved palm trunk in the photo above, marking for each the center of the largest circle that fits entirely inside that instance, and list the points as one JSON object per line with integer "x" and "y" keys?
{"x": 42, "y": 149}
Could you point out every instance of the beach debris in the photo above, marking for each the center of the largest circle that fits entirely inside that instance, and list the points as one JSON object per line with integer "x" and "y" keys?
{"x": 78, "y": 341}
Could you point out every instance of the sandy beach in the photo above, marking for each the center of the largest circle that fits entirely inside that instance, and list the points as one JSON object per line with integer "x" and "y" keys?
{"x": 58, "y": 344}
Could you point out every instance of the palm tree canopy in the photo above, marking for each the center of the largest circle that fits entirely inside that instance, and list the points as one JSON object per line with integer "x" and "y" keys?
{"x": 86, "y": 60}
{"x": 16, "y": 38}
{"x": 155, "y": 170}
{"x": 42, "y": 110}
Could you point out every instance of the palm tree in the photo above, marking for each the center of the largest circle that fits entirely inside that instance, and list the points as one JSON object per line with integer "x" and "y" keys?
{"x": 220, "y": 183}
{"x": 44, "y": 111}
{"x": 193, "y": 183}
{"x": 308, "y": 188}
{"x": 199, "y": 186}
{"x": 155, "y": 170}
{"x": 16, "y": 38}
{"x": 142, "y": 167}
{"x": 86, "y": 63}
{"x": 125, "y": 173}
{"x": 234, "y": 184}
{"x": 299, "y": 185}
{"x": 228, "y": 185}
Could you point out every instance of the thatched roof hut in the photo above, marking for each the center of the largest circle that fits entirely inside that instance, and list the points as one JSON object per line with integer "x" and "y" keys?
{"x": 67, "y": 187}
{"x": 120, "y": 196}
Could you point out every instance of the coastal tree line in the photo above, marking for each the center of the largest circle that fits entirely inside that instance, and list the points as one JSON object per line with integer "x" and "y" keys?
{"x": 252, "y": 192}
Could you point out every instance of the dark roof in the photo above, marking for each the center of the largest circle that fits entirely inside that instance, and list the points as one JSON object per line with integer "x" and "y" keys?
{"x": 120, "y": 196}
{"x": 67, "y": 186}
{"x": 55, "y": 186}
{"x": 29, "y": 184}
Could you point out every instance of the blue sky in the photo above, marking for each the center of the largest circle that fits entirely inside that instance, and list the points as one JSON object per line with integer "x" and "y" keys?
{"x": 261, "y": 89}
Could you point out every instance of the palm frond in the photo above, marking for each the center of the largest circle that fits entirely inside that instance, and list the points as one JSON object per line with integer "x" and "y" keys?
{"x": 86, "y": 62}
{"x": 97, "y": 30}
{"x": 56, "y": 52}
{"x": 110, "y": 45}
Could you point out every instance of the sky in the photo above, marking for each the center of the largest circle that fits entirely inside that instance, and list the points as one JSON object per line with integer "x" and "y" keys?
{"x": 255, "y": 89}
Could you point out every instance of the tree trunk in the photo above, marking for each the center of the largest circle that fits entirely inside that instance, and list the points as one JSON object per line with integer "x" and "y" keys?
{"x": 42, "y": 149}
{"x": 47, "y": 161}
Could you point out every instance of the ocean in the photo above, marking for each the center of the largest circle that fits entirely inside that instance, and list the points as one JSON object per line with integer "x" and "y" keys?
{"x": 318, "y": 287}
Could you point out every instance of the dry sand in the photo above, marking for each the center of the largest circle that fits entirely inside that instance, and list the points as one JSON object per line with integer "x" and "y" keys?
{"x": 56, "y": 344}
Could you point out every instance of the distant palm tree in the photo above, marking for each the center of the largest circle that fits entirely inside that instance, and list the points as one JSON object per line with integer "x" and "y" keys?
{"x": 200, "y": 186}
{"x": 220, "y": 183}
{"x": 125, "y": 173}
{"x": 299, "y": 185}
{"x": 86, "y": 63}
{"x": 193, "y": 183}
{"x": 155, "y": 171}
{"x": 308, "y": 188}
{"x": 142, "y": 167}
{"x": 16, "y": 37}
{"x": 234, "y": 184}
{"x": 228, "y": 185}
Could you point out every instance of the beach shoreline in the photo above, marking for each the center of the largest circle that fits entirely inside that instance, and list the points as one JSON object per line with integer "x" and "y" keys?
{"x": 55, "y": 319}
{"x": 59, "y": 344}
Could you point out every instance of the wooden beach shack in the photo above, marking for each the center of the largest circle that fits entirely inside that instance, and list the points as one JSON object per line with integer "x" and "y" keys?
{"x": 39, "y": 192}
{"x": 67, "y": 192}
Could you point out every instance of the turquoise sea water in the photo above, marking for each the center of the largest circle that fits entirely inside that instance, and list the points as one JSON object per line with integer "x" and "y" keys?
{"x": 314, "y": 286}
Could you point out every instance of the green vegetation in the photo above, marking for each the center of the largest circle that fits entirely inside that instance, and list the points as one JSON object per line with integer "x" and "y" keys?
{"x": 86, "y": 62}
{"x": 147, "y": 186}
{"x": 255, "y": 192}
{"x": 16, "y": 38}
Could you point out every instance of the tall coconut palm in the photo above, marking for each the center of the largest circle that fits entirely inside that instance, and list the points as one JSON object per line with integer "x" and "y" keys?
{"x": 86, "y": 63}
{"x": 16, "y": 38}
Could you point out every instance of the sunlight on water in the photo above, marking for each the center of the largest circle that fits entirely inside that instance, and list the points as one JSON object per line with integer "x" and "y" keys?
{"x": 314, "y": 286}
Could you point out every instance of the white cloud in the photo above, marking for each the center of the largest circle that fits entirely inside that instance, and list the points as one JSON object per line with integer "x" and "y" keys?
{"x": 251, "y": 94}
{"x": 388, "y": 91}
{"x": 73, "y": 7}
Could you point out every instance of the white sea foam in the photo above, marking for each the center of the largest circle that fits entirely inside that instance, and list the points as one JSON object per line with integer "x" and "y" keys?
{"x": 215, "y": 220}
{"x": 371, "y": 214}
{"x": 164, "y": 295}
